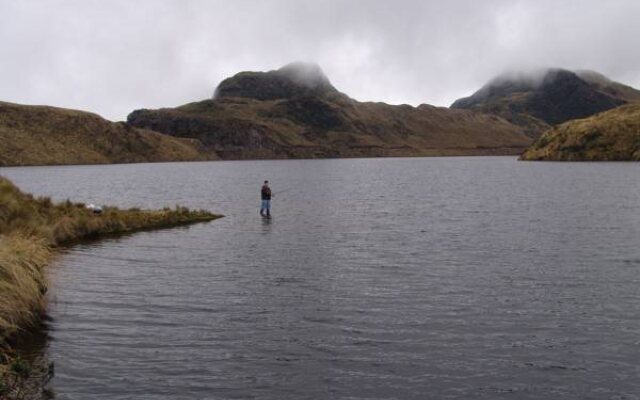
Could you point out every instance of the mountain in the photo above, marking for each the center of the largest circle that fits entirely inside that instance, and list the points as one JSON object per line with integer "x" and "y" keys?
{"x": 295, "y": 112}
{"x": 41, "y": 135}
{"x": 293, "y": 80}
{"x": 610, "y": 136}
{"x": 538, "y": 100}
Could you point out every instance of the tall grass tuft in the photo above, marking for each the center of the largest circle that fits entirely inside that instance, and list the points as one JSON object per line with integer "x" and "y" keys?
{"x": 22, "y": 281}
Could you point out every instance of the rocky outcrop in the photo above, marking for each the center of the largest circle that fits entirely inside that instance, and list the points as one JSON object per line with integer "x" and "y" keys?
{"x": 293, "y": 80}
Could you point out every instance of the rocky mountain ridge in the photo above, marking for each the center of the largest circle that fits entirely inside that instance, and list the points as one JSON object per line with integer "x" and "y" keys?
{"x": 538, "y": 100}
{"x": 295, "y": 112}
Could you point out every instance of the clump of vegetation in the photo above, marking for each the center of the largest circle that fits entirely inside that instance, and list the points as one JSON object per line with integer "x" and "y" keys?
{"x": 610, "y": 136}
{"x": 30, "y": 229}
{"x": 22, "y": 281}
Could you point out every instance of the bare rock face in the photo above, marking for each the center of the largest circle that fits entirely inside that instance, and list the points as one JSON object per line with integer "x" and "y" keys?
{"x": 293, "y": 80}
{"x": 538, "y": 100}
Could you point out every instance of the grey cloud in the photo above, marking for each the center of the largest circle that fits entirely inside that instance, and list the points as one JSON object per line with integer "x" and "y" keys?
{"x": 113, "y": 56}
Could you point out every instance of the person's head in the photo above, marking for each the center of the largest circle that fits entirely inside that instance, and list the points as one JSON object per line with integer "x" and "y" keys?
{"x": 266, "y": 182}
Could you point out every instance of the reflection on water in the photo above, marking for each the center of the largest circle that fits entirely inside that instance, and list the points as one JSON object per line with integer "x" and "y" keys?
{"x": 462, "y": 278}
{"x": 266, "y": 224}
{"x": 31, "y": 347}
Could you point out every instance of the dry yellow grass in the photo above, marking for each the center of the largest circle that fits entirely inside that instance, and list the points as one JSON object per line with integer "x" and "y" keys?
{"x": 22, "y": 281}
{"x": 59, "y": 224}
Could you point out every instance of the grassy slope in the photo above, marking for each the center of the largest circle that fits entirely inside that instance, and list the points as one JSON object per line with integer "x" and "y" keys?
{"x": 41, "y": 135}
{"x": 610, "y": 136}
{"x": 30, "y": 228}
{"x": 508, "y": 106}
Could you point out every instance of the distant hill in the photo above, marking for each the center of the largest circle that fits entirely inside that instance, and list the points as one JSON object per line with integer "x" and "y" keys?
{"x": 610, "y": 136}
{"x": 295, "y": 112}
{"x": 41, "y": 135}
{"x": 538, "y": 100}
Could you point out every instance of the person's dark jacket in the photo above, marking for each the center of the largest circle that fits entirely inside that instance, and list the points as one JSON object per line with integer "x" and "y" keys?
{"x": 266, "y": 193}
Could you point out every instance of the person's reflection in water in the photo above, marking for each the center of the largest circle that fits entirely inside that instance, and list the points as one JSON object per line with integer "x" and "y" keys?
{"x": 266, "y": 225}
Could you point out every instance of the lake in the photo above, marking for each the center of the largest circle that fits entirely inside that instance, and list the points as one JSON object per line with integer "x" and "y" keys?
{"x": 416, "y": 278}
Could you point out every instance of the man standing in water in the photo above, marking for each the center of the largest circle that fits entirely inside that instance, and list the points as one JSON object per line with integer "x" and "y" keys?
{"x": 265, "y": 207}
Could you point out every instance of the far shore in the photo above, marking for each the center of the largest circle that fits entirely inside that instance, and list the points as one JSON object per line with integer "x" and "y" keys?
{"x": 479, "y": 153}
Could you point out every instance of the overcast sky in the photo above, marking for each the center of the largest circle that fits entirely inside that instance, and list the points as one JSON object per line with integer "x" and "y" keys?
{"x": 111, "y": 57}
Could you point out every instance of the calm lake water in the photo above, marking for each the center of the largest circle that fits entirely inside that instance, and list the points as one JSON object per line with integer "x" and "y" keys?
{"x": 433, "y": 278}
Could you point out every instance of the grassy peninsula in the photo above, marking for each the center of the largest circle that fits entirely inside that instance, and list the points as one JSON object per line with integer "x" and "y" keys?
{"x": 30, "y": 231}
{"x": 613, "y": 135}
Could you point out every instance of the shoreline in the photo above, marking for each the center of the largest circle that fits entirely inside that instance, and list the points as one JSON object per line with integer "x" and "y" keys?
{"x": 32, "y": 231}
{"x": 364, "y": 157}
